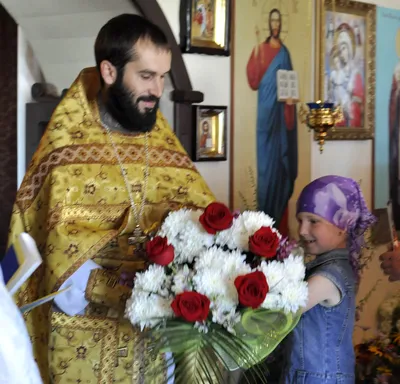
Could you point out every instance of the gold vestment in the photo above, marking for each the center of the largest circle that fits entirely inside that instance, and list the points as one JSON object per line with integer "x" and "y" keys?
{"x": 74, "y": 203}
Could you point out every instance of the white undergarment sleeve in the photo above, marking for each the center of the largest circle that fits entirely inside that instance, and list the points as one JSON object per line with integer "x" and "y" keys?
{"x": 73, "y": 301}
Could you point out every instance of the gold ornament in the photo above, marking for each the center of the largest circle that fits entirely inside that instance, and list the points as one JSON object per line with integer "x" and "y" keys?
{"x": 320, "y": 117}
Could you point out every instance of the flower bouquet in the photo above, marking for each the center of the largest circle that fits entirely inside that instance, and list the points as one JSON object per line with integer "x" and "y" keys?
{"x": 223, "y": 290}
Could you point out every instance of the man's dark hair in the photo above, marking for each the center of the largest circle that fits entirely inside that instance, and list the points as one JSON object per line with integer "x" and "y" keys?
{"x": 117, "y": 38}
{"x": 275, "y": 10}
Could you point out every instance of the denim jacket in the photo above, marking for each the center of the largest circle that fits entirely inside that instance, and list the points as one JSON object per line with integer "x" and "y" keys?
{"x": 320, "y": 349}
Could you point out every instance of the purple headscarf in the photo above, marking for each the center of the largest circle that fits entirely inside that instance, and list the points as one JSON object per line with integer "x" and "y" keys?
{"x": 340, "y": 201}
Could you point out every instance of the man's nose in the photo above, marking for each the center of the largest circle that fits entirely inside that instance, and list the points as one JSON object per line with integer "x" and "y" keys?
{"x": 157, "y": 88}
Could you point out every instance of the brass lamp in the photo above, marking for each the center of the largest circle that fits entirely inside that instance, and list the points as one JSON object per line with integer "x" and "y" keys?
{"x": 320, "y": 117}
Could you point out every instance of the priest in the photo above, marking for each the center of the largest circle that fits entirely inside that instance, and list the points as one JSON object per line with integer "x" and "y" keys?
{"x": 107, "y": 171}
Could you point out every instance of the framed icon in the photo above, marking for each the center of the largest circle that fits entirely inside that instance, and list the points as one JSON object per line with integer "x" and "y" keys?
{"x": 346, "y": 65}
{"x": 205, "y": 26}
{"x": 211, "y": 129}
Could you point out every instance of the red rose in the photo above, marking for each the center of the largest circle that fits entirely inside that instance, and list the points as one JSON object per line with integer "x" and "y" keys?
{"x": 192, "y": 306}
{"x": 159, "y": 251}
{"x": 216, "y": 217}
{"x": 264, "y": 242}
{"x": 252, "y": 289}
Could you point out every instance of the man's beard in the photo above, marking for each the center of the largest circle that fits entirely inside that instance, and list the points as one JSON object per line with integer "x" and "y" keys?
{"x": 120, "y": 105}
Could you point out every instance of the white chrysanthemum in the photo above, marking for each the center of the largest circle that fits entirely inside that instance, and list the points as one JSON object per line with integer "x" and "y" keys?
{"x": 148, "y": 310}
{"x": 244, "y": 226}
{"x": 272, "y": 301}
{"x": 294, "y": 295}
{"x": 235, "y": 237}
{"x": 220, "y": 305}
{"x": 235, "y": 264}
{"x": 184, "y": 231}
{"x": 182, "y": 280}
{"x": 209, "y": 283}
{"x": 216, "y": 258}
{"x": 216, "y": 271}
{"x": 175, "y": 222}
{"x": 201, "y": 326}
{"x": 294, "y": 268}
{"x": 288, "y": 290}
{"x": 210, "y": 259}
{"x": 253, "y": 221}
{"x": 274, "y": 272}
{"x": 225, "y": 314}
{"x": 153, "y": 280}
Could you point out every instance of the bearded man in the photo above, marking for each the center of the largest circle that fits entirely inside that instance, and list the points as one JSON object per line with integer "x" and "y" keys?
{"x": 107, "y": 171}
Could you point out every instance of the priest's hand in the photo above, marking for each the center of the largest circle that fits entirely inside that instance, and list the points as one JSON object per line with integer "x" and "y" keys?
{"x": 391, "y": 264}
{"x": 108, "y": 288}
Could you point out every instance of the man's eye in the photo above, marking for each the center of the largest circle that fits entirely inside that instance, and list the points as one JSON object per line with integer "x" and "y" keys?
{"x": 146, "y": 77}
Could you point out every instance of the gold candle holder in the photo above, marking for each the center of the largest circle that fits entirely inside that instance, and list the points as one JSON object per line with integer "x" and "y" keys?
{"x": 320, "y": 117}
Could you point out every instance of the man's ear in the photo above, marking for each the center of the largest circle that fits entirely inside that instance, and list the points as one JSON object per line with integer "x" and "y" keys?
{"x": 108, "y": 72}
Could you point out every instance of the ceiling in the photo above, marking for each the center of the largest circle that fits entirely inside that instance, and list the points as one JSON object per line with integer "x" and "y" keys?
{"x": 62, "y": 32}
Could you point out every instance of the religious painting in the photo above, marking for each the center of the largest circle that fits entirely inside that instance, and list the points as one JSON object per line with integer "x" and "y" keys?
{"x": 387, "y": 112}
{"x": 210, "y": 138}
{"x": 272, "y": 39}
{"x": 346, "y": 65}
{"x": 205, "y": 26}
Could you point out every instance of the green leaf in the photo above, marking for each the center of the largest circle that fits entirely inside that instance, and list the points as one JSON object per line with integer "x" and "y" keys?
{"x": 202, "y": 357}
{"x": 264, "y": 329}
{"x": 208, "y": 357}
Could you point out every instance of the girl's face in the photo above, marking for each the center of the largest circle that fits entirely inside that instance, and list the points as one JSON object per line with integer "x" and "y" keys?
{"x": 318, "y": 235}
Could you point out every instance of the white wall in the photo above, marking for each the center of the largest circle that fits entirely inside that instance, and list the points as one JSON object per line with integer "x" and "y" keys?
{"x": 62, "y": 33}
{"x": 28, "y": 74}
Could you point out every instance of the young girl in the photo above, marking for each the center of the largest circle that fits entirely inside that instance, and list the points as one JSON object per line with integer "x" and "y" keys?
{"x": 333, "y": 218}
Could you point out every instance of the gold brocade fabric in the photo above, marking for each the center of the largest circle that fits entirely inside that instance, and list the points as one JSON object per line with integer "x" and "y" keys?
{"x": 103, "y": 288}
{"x": 74, "y": 203}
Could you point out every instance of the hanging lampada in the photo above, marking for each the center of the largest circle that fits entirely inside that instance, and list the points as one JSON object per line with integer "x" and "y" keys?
{"x": 320, "y": 117}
